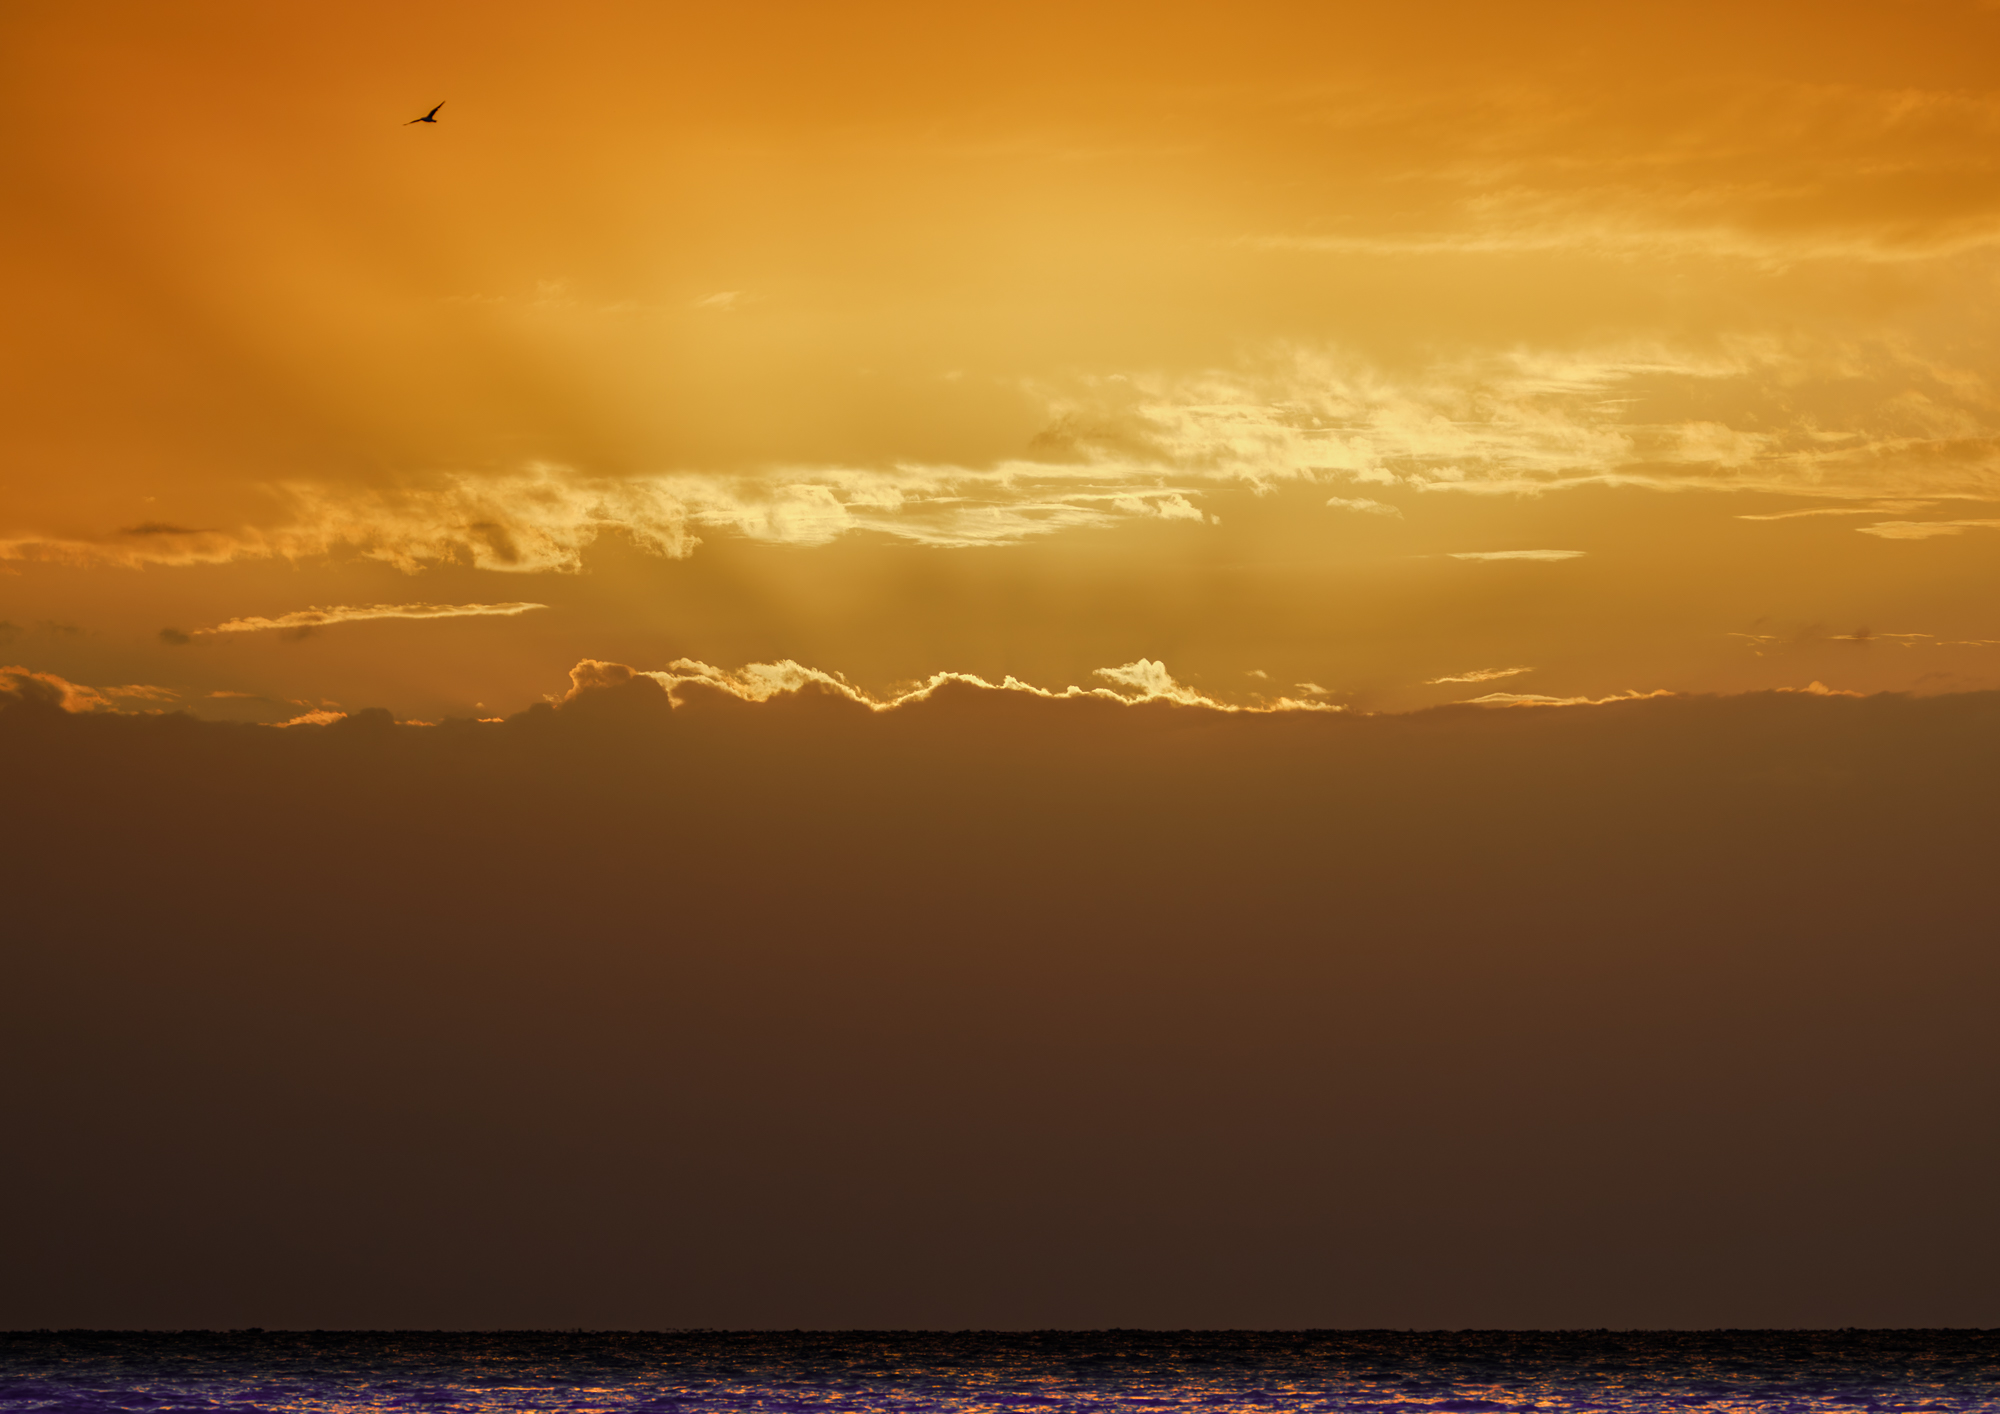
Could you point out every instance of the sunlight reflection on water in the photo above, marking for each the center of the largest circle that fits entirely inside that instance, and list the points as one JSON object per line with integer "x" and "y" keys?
{"x": 1005, "y": 1373}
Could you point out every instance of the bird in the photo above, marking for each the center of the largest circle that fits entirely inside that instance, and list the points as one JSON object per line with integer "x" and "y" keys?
{"x": 430, "y": 117}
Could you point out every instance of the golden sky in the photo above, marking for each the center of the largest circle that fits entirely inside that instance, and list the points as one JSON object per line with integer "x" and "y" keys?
{"x": 1330, "y": 359}
{"x": 1372, "y": 357}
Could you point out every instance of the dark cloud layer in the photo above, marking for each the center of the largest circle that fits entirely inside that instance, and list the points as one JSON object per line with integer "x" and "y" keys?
{"x": 995, "y": 1010}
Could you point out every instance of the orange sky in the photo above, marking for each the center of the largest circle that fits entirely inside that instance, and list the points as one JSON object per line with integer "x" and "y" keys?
{"x": 1336, "y": 360}
{"x": 893, "y": 340}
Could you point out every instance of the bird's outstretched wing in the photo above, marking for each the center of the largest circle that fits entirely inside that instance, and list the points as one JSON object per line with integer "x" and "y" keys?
{"x": 430, "y": 117}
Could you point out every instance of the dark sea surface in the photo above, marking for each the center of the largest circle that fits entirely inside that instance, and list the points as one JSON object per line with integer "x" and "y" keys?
{"x": 1162, "y": 1371}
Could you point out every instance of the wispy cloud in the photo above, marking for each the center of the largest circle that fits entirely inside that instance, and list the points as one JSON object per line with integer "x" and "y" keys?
{"x": 1909, "y": 428}
{"x": 1878, "y": 508}
{"x": 356, "y": 613}
{"x": 154, "y": 527}
{"x": 1907, "y": 431}
{"x": 1754, "y": 169}
{"x": 1516, "y": 554}
{"x": 545, "y": 518}
{"x": 1567, "y": 225}
{"x": 1479, "y": 675}
{"x": 143, "y": 692}
{"x": 1924, "y": 529}
{"x": 1812, "y": 636}
{"x": 1533, "y": 699}
{"x": 1364, "y": 505}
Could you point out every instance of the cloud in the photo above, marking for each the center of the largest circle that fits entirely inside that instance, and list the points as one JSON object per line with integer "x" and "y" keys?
{"x": 1877, "y": 509}
{"x": 543, "y": 519}
{"x": 539, "y": 519}
{"x": 1866, "y": 636}
{"x": 1810, "y": 636}
{"x": 1479, "y": 675}
{"x": 1146, "y": 681}
{"x": 265, "y": 709}
{"x": 360, "y": 613}
{"x": 1761, "y": 170}
{"x": 1817, "y": 688}
{"x": 1141, "y": 681}
{"x": 943, "y": 507}
{"x": 12, "y": 631}
{"x": 1568, "y": 225}
{"x": 143, "y": 692}
{"x": 1050, "y": 927}
{"x": 1923, "y": 529}
{"x": 1524, "y": 699}
{"x": 154, "y": 527}
{"x": 1516, "y": 554}
{"x": 1535, "y": 699}
{"x": 26, "y": 686}
{"x": 1859, "y": 421}
{"x": 318, "y": 717}
{"x": 1172, "y": 506}
{"x": 1820, "y": 417}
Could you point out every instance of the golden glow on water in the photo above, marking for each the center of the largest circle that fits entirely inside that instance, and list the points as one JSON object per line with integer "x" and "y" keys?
{"x": 992, "y": 1373}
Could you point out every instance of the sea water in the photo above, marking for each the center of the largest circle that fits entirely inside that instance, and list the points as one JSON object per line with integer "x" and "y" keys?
{"x": 693, "y": 1372}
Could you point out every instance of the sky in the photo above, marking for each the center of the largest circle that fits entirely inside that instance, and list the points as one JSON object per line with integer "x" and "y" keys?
{"x": 1362, "y": 349}
{"x": 855, "y": 665}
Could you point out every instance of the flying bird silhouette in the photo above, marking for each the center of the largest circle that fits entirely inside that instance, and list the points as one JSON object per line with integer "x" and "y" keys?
{"x": 430, "y": 117}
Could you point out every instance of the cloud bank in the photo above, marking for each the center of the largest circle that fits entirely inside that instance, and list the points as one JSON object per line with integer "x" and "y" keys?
{"x": 772, "y": 1009}
{"x": 1148, "y": 446}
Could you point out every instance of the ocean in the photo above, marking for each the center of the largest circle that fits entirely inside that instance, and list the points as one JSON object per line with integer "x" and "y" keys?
{"x": 694, "y": 1372}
